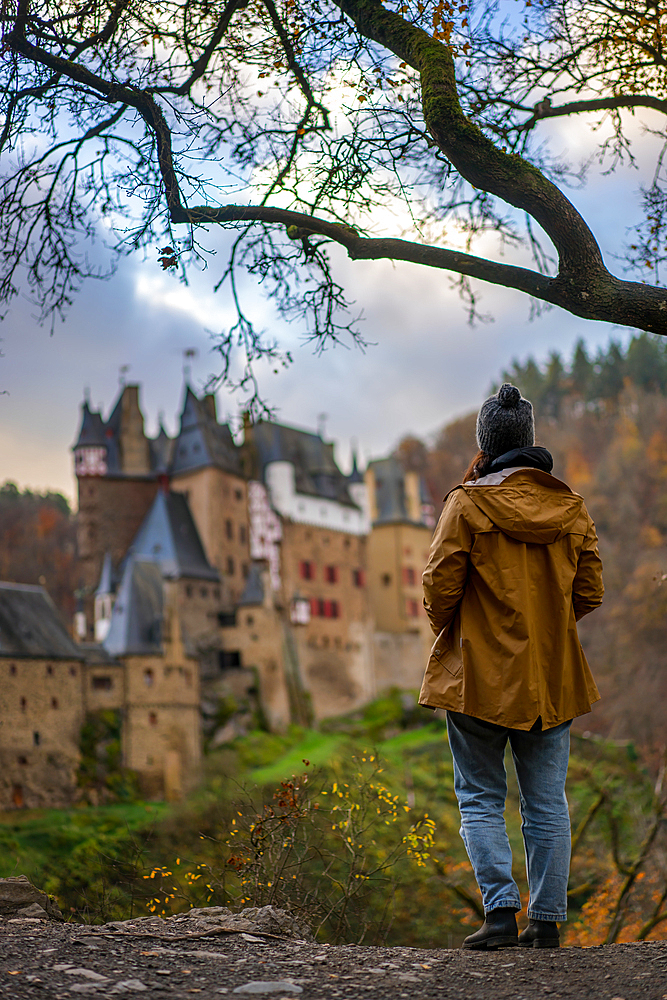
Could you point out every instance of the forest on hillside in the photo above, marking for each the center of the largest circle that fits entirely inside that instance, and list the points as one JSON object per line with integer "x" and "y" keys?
{"x": 38, "y": 543}
{"x": 604, "y": 418}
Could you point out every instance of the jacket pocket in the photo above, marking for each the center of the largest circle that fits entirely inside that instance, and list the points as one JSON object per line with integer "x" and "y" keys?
{"x": 446, "y": 651}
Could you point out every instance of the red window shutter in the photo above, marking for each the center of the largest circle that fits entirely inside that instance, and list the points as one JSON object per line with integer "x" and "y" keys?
{"x": 314, "y": 606}
{"x": 335, "y": 609}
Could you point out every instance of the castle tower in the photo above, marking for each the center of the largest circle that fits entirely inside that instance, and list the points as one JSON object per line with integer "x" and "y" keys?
{"x": 206, "y": 467}
{"x": 116, "y": 486}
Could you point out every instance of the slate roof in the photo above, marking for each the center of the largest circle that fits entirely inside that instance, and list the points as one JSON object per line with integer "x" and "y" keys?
{"x": 355, "y": 475}
{"x": 136, "y": 620}
{"x": 202, "y": 441}
{"x": 253, "y": 592}
{"x": 316, "y": 472}
{"x": 91, "y": 432}
{"x": 168, "y": 536}
{"x": 160, "y": 451}
{"x": 30, "y": 625}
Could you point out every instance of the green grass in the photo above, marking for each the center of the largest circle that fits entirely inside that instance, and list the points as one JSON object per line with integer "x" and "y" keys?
{"x": 93, "y": 859}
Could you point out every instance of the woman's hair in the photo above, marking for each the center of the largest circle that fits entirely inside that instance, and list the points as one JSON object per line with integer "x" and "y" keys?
{"x": 478, "y": 467}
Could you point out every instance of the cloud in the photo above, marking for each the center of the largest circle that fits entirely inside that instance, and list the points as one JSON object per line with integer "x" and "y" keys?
{"x": 426, "y": 367}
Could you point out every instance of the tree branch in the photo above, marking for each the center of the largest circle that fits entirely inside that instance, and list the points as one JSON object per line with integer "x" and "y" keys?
{"x": 474, "y": 155}
{"x": 643, "y": 306}
{"x": 543, "y": 110}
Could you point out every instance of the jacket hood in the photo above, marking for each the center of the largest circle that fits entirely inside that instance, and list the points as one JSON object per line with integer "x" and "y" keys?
{"x": 529, "y": 506}
{"x": 533, "y": 457}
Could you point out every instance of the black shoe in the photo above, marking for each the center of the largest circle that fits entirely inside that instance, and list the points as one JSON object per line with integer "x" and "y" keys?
{"x": 498, "y": 931}
{"x": 540, "y": 934}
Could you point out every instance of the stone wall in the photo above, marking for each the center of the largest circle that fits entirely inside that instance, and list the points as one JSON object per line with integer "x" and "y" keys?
{"x": 161, "y": 737}
{"x": 333, "y": 647}
{"x": 41, "y": 714}
{"x": 219, "y": 505}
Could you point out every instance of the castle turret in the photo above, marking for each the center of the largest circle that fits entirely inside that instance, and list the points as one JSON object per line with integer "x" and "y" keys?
{"x": 90, "y": 450}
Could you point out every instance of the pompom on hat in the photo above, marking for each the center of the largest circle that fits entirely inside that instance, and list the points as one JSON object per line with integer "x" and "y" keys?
{"x": 505, "y": 421}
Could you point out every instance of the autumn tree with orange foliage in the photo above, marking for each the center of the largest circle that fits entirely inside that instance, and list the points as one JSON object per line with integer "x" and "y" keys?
{"x": 37, "y": 543}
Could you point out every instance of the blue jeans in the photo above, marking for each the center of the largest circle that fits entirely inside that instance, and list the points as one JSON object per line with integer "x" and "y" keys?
{"x": 480, "y": 782}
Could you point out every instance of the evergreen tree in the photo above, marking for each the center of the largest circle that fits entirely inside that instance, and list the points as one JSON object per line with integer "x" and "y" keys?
{"x": 609, "y": 372}
{"x": 554, "y": 386}
{"x": 646, "y": 363}
{"x": 581, "y": 370}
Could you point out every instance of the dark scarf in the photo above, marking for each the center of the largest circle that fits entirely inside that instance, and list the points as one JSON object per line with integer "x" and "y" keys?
{"x": 534, "y": 457}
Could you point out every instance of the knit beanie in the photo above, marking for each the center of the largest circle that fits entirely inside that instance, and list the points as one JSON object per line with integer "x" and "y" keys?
{"x": 504, "y": 422}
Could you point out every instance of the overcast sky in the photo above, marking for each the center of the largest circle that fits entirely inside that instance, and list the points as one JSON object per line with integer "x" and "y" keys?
{"x": 427, "y": 365}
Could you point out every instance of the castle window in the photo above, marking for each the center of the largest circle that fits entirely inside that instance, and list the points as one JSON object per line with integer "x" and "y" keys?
{"x": 12, "y": 669}
{"x": 216, "y": 593}
{"x": 358, "y": 577}
{"x": 54, "y": 703}
{"x": 230, "y": 566}
{"x": 149, "y": 677}
{"x": 23, "y": 760}
{"x": 227, "y": 619}
{"x": 204, "y": 591}
{"x": 250, "y": 620}
{"x": 331, "y": 574}
{"x": 229, "y": 659}
{"x": 49, "y": 670}
{"x": 245, "y": 570}
{"x": 229, "y": 529}
{"x": 386, "y": 579}
{"x": 24, "y": 704}
{"x": 307, "y": 569}
{"x": 325, "y": 609}
{"x": 72, "y": 671}
{"x": 102, "y": 683}
{"x": 409, "y": 577}
{"x": 346, "y": 543}
{"x": 188, "y": 590}
{"x": 242, "y": 534}
{"x": 238, "y": 494}
{"x": 152, "y": 718}
{"x": 36, "y": 739}
{"x": 412, "y": 609}
{"x": 318, "y": 607}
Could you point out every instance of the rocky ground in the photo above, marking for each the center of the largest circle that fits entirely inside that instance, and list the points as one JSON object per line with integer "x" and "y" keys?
{"x": 162, "y": 959}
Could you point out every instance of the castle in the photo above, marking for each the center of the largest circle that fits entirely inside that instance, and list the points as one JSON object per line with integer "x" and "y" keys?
{"x": 251, "y": 579}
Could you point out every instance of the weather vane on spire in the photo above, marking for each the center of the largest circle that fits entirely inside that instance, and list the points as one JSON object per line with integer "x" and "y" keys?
{"x": 188, "y": 354}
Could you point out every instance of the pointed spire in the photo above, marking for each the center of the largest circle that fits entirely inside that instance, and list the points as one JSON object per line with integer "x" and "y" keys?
{"x": 355, "y": 475}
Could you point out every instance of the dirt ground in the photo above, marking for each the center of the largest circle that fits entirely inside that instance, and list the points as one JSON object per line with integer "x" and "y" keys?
{"x": 39, "y": 959}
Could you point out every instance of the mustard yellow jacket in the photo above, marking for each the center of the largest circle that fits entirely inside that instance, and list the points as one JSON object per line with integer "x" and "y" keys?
{"x": 512, "y": 568}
